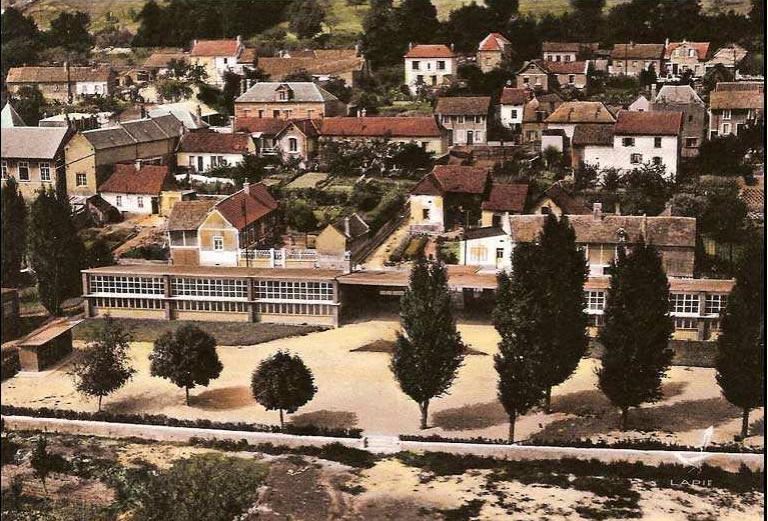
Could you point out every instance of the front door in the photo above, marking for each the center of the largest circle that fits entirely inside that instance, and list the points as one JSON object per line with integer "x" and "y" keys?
{"x": 470, "y": 137}
{"x": 499, "y": 258}
{"x": 199, "y": 163}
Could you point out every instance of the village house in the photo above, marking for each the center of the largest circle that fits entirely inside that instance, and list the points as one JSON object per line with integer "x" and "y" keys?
{"x": 735, "y": 105}
{"x": 569, "y": 74}
{"x": 630, "y": 59}
{"x": 685, "y": 56}
{"x": 465, "y": 118}
{"x": 448, "y": 196}
{"x": 341, "y": 242}
{"x": 9, "y": 118}
{"x": 503, "y": 199}
{"x": 429, "y": 65}
{"x": 729, "y": 56}
{"x": 511, "y": 105}
{"x": 492, "y": 52}
{"x": 293, "y": 138}
{"x": 322, "y": 64}
{"x": 568, "y": 51}
{"x": 136, "y": 189}
{"x": 62, "y": 84}
{"x": 572, "y": 113}
{"x": 535, "y": 114}
{"x": 558, "y": 201}
{"x": 34, "y": 157}
{"x": 291, "y": 100}
{"x": 158, "y": 62}
{"x": 682, "y": 98}
{"x": 423, "y": 131}
{"x": 533, "y": 75}
{"x": 637, "y": 138}
{"x": 91, "y": 155}
{"x": 640, "y": 104}
{"x": 217, "y": 57}
{"x": 204, "y": 150}
{"x": 209, "y": 232}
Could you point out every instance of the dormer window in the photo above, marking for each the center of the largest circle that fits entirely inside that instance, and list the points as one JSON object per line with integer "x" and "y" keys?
{"x": 284, "y": 93}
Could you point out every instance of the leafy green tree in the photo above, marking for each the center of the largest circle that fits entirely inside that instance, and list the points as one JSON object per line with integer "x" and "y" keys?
{"x": 740, "y": 361}
{"x": 29, "y": 103}
{"x": 562, "y": 273}
{"x": 98, "y": 253}
{"x": 283, "y": 382}
{"x": 55, "y": 250}
{"x": 104, "y": 366}
{"x": 379, "y": 26}
{"x": 517, "y": 318}
{"x": 40, "y": 460}
{"x": 417, "y": 22}
{"x": 429, "y": 350}
{"x": 69, "y": 30}
{"x": 20, "y": 39}
{"x": 205, "y": 487}
{"x": 151, "y": 28}
{"x": 637, "y": 330}
{"x": 468, "y": 25}
{"x": 503, "y": 10}
{"x": 646, "y": 191}
{"x": 187, "y": 358}
{"x": 13, "y": 232}
{"x": 306, "y": 17}
{"x": 300, "y": 216}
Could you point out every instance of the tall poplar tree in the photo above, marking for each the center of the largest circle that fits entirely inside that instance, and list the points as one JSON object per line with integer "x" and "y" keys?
{"x": 740, "y": 358}
{"x": 13, "y": 233}
{"x": 516, "y": 317}
{"x": 637, "y": 330}
{"x": 429, "y": 350}
{"x": 562, "y": 273}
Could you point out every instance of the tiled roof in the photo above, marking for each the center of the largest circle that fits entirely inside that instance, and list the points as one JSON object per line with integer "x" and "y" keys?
{"x": 592, "y": 134}
{"x": 430, "y": 51}
{"x": 581, "y": 112}
{"x": 740, "y": 85}
{"x": 149, "y": 179}
{"x": 702, "y": 49}
{"x": 302, "y": 91}
{"x": 463, "y": 105}
{"x": 189, "y": 215}
{"x": 505, "y": 197}
{"x": 278, "y": 68}
{"x": 569, "y": 204}
{"x": 729, "y": 55}
{"x": 537, "y": 64}
{"x": 510, "y": 96}
{"x": 578, "y": 67}
{"x": 357, "y": 226}
{"x": 215, "y": 142}
{"x": 215, "y": 48}
{"x": 736, "y": 99}
{"x": 10, "y": 118}
{"x": 482, "y": 233}
{"x": 160, "y": 60}
{"x": 569, "y": 47}
{"x": 493, "y": 42}
{"x": 32, "y": 142}
{"x": 248, "y": 56}
{"x": 648, "y": 123}
{"x": 754, "y": 197}
{"x": 247, "y": 206}
{"x": 268, "y": 126}
{"x": 308, "y": 126}
{"x": 453, "y": 179}
{"x": 677, "y": 94}
{"x": 136, "y": 131}
{"x": 660, "y": 231}
{"x": 377, "y": 126}
{"x": 57, "y": 74}
{"x": 637, "y": 51}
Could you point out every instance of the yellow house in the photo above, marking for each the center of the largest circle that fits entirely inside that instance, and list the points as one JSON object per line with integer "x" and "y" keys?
{"x": 556, "y": 200}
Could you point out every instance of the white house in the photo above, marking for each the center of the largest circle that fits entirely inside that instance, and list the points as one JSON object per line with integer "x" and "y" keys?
{"x": 489, "y": 247}
{"x": 430, "y": 65}
{"x": 511, "y": 105}
{"x": 135, "y": 190}
{"x": 641, "y": 104}
{"x": 572, "y": 113}
{"x": 218, "y": 57}
{"x": 638, "y": 138}
{"x": 203, "y": 150}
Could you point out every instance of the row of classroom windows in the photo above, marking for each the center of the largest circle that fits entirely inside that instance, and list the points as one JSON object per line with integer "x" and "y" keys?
{"x": 213, "y": 306}
{"x": 681, "y": 323}
{"x": 688, "y": 303}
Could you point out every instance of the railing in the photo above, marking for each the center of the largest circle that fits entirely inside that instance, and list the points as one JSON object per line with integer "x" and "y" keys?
{"x": 277, "y": 257}
{"x": 268, "y": 151}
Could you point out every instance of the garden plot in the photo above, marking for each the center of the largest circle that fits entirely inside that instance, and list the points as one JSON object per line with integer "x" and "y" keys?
{"x": 308, "y": 180}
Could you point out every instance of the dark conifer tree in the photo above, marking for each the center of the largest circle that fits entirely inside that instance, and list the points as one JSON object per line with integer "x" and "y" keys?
{"x": 417, "y": 22}
{"x": 13, "y": 233}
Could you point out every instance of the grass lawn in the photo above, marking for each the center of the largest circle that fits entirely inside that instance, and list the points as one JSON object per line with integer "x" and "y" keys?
{"x": 308, "y": 180}
{"x": 226, "y": 333}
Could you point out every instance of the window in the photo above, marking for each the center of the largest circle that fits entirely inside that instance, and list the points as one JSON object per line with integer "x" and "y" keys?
{"x": 135, "y": 303}
{"x": 499, "y": 253}
{"x": 275, "y": 113}
{"x": 691, "y": 142}
{"x": 657, "y": 160}
{"x": 226, "y": 60}
{"x": 140, "y": 201}
{"x": 192, "y": 162}
{"x": 726, "y": 128}
{"x": 715, "y": 303}
{"x": 687, "y": 324}
{"x": 288, "y": 290}
{"x": 415, "y": 64}
{"x": 691, "y": 53}
{"x": 636, "y": 159}
{"x": 546, "y": 210}
{"x": 420, "y": 78}
{"x": 657, "y": 142}
{"x": 80, "y": 179}
{"x": 440, "y": 65}
{"x": 283, "y": 95}
{"x": 425, "y": 214}
{"x": 193, "y": 287}
{"x": 478, "y": 253}
{"x": 207, "y": 305}
{"x": 119, "y": 201}
{"x": 127, "y": 285}
{"x": 726, "y": 114}
{"x": 261, "y": 113}
{"x": 628, "y": 142}
{"x": 218, "y": 243}
{"x": 269, "y": 308}
{"x": 690, "y": 118}
{"x": 567, "y": 58}
{"x": 685, "y": 302}
{"x": 596, "y": 320}
{"x": 571, "y": 79}
{"x": 595, "y": 300}
{"x": 23, "y": 171}
{"x": 460, "y": 119}
{"x": 513, "y": 113}
{"x": 526, "y": 80}
{"x": 5, "y": 169}
{"x": 293, "y": 144}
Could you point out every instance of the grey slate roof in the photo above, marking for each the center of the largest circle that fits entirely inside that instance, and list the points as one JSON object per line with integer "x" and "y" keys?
{"x": 303, "y": 91}
{"x": 136, "y": 131}
{"x": 677, "y": 94}
{"x": 10, "y": 118}
{"x": 357, "y": 226}
{"x": 32, "y": 142}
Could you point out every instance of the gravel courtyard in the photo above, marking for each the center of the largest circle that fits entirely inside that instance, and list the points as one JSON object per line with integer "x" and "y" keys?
{"x": 356, "y": 389}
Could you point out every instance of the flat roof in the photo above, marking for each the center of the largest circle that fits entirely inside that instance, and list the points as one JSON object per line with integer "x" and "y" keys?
{"x": 676, "y": 284}
{"x": 47, "y": 333}
{"x": 216, "y": 271}
{"x": 458, "y": 277}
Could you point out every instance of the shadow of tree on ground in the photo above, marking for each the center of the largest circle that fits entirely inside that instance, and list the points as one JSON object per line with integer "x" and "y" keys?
{"x": 222, "y": 399}
{"x": 326, "y": 419}
{"x": 474, "y": 416}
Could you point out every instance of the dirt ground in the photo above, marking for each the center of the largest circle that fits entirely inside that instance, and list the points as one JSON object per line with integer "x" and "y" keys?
{"x": 356, "y": 389}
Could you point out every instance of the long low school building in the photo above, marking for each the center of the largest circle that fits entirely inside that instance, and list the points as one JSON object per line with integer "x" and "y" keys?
{"x": 282, "y": 296}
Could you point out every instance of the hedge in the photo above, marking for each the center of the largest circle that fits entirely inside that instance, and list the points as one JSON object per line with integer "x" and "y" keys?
{"x": 9, "y": 363}
{"x": 652, "y": 444}
{"x": 163, "y": 420}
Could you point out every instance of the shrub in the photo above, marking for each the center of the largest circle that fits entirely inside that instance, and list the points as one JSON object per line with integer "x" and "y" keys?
{"x": 9, "y": 363}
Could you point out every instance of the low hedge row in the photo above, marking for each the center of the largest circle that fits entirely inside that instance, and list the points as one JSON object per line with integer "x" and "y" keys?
{"x": 163, "y": 420}
{"x": 651, "y": 444}
{"x": 9, "y": 363}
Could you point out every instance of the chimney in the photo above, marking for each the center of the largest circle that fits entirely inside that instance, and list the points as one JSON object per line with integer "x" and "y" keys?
{"x": 194, "y": 43}
{"x": 346, "y": 227}
{"x": 362, "y": 112}
{"x": 410, "y": 45}
{"x": 243, "y": 86}
{"x": 232, "y": 123}
{"x": 452, "y": 47}
{"x": 246, "y": 187}
{"x": 199, "y": 111}
{"x": 239, "y": 40}
{"x": 597, "y": 211}
{"x": 143, "y": 111}
{"x": 617, "y": 208}
{"x": 666, "y": 43}
{"x": 653, "y": 92}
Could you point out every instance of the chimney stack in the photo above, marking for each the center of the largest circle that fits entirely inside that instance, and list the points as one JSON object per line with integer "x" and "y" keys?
{"x": 232, "y": 123}
{"x": 199, "y": 111}
{"x": 246, "y": 187}
{"x": 410, "y": 45}
{"x": 362, "y": 112}
{"x": 666, "y": 43}
{"x": 239, "y": 39}
{"x": 143, "y": 111}
{"x": 452, "y": 47}
{"x": 597, "y": 211}
{"x": 346, "y": 227}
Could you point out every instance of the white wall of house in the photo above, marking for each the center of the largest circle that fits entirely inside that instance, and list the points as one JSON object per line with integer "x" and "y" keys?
{"x": 91, "y": 87}
{"x": 131, "y": 203}
{"x": 427, "y": 211}
{"x": 511, "y": 115}
{"x": 432, "y": 71}
{"x": 189, "y": 159}
{"x": 560, "y": 56}
{"x": 568, "y": 128}
{"x": 487, "y": 252}
{"x": 218, "y": 258}
{"x": 641, "y": 104}
{"x": 626, "y": 155}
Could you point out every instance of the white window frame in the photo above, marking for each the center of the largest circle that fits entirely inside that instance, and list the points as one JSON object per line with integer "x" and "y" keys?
{"x": 636, "y": 159}
{"x": 685, "y": 303}
{"x": 715, "y": 303}
{"x": 726, "y": 113}
{"x": 25, "y": 166}
{"x": 218, "y": 243}
{"x": 140, "y": 201}
{"x": 81, "y": 176}
{"x": 293, "y": 145}
{"x": 119, "y": 201}
{"x": 4, "y": 168}
{"x": 45, "y": 171}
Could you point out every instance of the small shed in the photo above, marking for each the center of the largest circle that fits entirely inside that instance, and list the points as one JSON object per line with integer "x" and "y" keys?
{"x": 47, "y": 345}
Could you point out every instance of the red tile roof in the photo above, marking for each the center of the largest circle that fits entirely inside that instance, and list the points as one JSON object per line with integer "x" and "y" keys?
{"x": 247, "y": 206}
{"x": 215, "y": 142}
{"x": 430, "y": 51}
{"x": 378, "y": 126}
{"x": 149, "y": 179}
{"x": 453, "y": 179}
{"x": 566, "y": 67}
{"x": 270, "y": 126}
{"x": 506, "y": 198}
{"x": 510, "y": 96}
{"x": 463, "y": 105}
{"x": 215, "y": 48}
{"x": 702, "y": 49}
{"x": 648, "y": 123}
{"x": 736, "y": 99}
{"x": 637, "y": 51}
{"x": 493, "y": 42}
